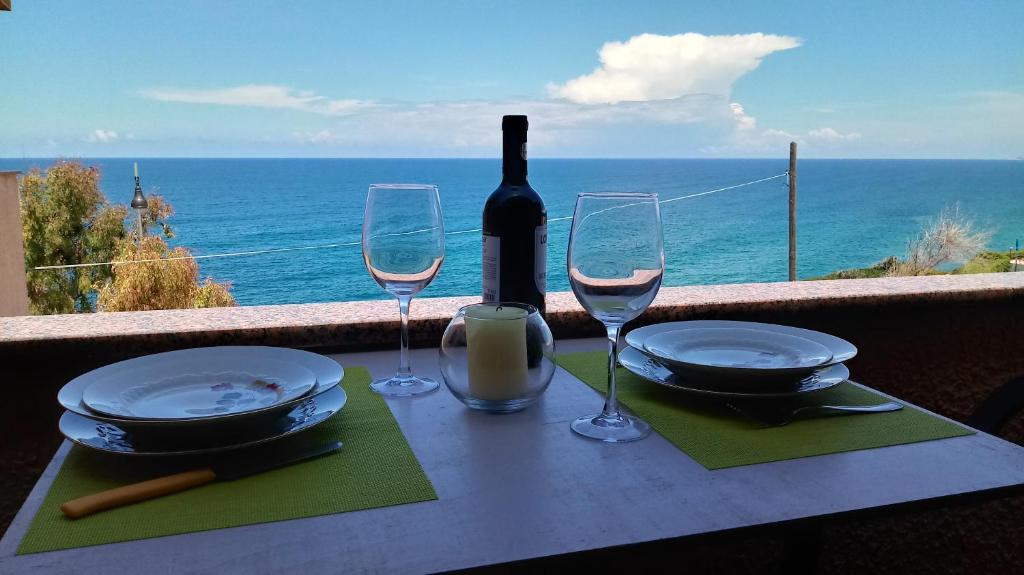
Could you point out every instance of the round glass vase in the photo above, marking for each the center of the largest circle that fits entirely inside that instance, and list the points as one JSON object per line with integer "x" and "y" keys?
{"x": 497, "y": 357}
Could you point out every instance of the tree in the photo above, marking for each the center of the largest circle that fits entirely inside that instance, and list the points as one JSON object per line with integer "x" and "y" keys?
{"x": 154, "y": 276}
{"x": 66, "y": 219}
{"x": 950, "y": 238}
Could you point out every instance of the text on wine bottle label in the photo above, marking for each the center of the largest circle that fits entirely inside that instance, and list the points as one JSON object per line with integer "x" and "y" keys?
{"x": 492, "y": 272}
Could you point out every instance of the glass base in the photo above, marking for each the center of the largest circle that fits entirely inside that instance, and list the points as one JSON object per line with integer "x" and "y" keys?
{"x": 617, "y": 428}
{"x": 492, "y": 406}
{"x": 404, "y": 386}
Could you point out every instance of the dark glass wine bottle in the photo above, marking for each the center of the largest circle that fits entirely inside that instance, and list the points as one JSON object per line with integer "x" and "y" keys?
{"x": 515, "y": 228}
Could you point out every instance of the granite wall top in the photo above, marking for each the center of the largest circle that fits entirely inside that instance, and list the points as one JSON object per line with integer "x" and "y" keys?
{"x": 351, "y": 325}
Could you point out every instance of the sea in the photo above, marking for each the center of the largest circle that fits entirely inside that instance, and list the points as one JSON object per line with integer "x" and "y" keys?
{"x": 850, "y": 213}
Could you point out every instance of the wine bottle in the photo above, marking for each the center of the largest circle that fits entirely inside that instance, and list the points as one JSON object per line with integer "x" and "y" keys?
{"x": 515, "y": 228}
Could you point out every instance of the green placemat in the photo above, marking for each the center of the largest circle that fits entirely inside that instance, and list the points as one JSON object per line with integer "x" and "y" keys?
{"x": 375, "y": 468}
{"x": 717, "y": 437}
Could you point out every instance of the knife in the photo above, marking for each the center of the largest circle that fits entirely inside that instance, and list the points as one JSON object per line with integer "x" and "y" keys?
{"x": 181, "y": 481}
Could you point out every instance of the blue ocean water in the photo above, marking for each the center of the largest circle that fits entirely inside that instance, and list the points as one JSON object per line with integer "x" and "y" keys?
{"x": 851, "y": 213}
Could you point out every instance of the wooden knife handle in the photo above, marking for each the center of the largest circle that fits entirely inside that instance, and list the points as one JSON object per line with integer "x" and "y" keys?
{"x": 136, "y": 492}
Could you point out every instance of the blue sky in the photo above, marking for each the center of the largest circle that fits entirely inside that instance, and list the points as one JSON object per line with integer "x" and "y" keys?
{"x": 598, "y": 79}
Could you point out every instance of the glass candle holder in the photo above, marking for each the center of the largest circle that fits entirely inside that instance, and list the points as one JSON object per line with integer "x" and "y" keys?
{"x": 497, "y": 357}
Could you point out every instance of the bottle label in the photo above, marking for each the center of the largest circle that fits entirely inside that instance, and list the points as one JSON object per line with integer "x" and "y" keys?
{"x": 540, "y": 257}
{"x": 492, "y": 249}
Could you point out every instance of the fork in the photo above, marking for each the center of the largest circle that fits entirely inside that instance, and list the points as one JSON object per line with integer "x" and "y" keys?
{"x": 773, "y": 417}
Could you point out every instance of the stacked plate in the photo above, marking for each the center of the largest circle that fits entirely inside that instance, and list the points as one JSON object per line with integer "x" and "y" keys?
{"x": 733, "y": 359}
{"x": 201, "y": 400}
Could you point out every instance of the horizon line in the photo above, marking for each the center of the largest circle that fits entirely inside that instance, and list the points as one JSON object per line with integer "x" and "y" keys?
{"x": 498, "y": 158}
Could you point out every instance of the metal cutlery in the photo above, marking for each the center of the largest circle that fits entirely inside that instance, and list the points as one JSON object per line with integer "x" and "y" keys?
{"x": 774, "y": 416}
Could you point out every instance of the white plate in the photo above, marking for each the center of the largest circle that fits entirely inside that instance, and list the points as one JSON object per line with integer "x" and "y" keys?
{"x": 187, "y": 387}
{"x": 842, "y": 350}
{"x": 737, "y": 351}
{"x": 648, "y": 368}
{"x": 110, "y": 438}
{"x": 328, "y": 374}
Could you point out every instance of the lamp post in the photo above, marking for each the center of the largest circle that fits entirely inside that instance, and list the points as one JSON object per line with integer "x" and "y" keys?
{"x": 139, "y": 203}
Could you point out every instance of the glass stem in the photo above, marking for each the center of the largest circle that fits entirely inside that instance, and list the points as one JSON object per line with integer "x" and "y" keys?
{"x": 404, "y": 372}
{"x": 611, "y": 403}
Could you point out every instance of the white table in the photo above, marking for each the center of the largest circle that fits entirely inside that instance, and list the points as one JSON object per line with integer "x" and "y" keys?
{"x": 522, "y": 486}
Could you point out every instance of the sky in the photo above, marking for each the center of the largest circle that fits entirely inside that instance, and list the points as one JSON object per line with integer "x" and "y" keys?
{"x": 646, "y": 79}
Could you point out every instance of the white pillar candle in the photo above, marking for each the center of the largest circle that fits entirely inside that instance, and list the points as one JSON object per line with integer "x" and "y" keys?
{"x": 496, "y": 352}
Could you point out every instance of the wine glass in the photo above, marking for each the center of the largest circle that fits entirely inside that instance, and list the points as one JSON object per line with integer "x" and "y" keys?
{"x": 616, "y": 262}
{"x": 403, "y": 247}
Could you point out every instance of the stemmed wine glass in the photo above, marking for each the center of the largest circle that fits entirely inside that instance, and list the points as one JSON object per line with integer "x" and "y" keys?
{"x": 616, "y": 262}
{"x": 403, "y": 247}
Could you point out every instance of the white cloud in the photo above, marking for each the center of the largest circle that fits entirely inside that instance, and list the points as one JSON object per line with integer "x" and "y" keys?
{"x": 832, "y": 135}
{"x": 769, "y": 142}
{"x": 99, "y": 136}
{"x": 261, "y": 96}
{"x": 655, "y": 67}
{"x": 649, "y": 84}
{"x": 473, "y": 127}
{"x": 743, "y": 121}
{"x": 321, "y": 137}
{"x": 466, "y": 126}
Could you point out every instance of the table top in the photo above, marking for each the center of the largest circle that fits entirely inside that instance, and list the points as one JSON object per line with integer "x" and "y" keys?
{"x": 521, "y": 486}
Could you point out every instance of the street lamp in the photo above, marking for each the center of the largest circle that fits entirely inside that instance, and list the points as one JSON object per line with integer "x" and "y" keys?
{"x": 139, "y": 203}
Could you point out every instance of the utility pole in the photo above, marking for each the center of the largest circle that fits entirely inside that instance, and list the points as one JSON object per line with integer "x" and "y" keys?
{"x": 792, "y": 211}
